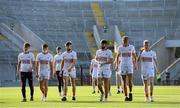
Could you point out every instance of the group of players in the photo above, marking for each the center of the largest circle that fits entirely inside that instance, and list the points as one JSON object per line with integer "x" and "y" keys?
{"x": 44, "y": 66}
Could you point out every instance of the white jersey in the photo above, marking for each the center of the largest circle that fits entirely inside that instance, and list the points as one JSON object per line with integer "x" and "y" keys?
{"x": 147, "y": 61}
{"x": 126, "y": 54}
{"x": 26, "y": 60}
{"x": 68, "y": 58}
{"x": 94, "y": 63}
{"x": 58, "y": 60}
{"x": 102, "y": 57}
{"x": 44, "y": 61}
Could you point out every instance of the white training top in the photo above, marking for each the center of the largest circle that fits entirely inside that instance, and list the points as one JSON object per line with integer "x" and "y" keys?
{"x": 68, "y": 58}
{"x": 102, "y": 57}
{"x": 44, "y": 60}
{"x": 26, "y": 60}
{"x": 147, "y": 60}
{"x": 94, "y": 63}
{"x": 58, "y": 60}
{"x": 126, "y": 54}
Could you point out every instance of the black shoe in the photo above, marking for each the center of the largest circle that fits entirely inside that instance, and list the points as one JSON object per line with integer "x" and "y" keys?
{"x": 93, "y": 92}
{"x": 126, "y": 99}
{"x": 73, "y": 98}
{"x": 24, "y": 100}
{"x": 64, "y": 99}
{"x": 118, "y": 92}
{"x": 130, "y": 97}
{"x": 31, "y": 99}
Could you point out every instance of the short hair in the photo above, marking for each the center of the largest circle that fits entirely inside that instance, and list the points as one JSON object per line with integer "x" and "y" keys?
{"x": 68, "y": 43}
{"x": 26, "y": 44}
{"x": 45, "y": 45}
{"x": 58, "y": 48}
{"x": 125, "y": 37}
{"x": 146, "y": 42}
{"x": 104, "y": 41}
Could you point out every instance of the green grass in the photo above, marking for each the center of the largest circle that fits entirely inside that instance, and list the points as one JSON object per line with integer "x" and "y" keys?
{"x": 164, "y": 96}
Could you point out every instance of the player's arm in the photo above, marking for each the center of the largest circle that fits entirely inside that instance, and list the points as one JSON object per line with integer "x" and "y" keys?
{"x": 117, "y": 61}
{"x": 139, "y": 56}
{"x": 156, "y": 65}
{"x": 90, "y": 69}
{"x": 51, "y": 67}
{"x": 37, "y": 69}
{"x": 18, "y": 69}
{"x": 33, "y": 64}
{"x": 134, "y": 60}
{"x": 62, "y": 64}
{"x": 54, "y": 67}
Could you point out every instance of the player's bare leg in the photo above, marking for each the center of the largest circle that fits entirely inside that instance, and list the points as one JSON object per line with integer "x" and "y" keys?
{"x": 118, "y": 83}
{"x": 125, "y": 87}
{"x": 41, "y": 85}
{"x": 130, "y": 84}
{"x": 106, "y": 87}
{"x": 146, "y": 90}
{"x": 65, "y": 87}
{"x": 93, "y": 85}
{"x": 100, "y": 83}
{"x": 73, "y": 83}
{"x": 110, "y": 87}
{"x": 45, "y": 87}
{"x": 151, "y": 81}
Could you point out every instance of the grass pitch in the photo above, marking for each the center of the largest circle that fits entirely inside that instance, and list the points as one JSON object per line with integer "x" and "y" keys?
{"x": 164, "y": 96}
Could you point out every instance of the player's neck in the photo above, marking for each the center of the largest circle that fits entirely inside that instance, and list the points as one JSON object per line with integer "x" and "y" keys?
{"x": 59, "y": 53}
{"x": 125, "y": 45}
{"x": 44, "y": 52}
{"x": 104, "y": 49}
{"x": 69, "y": 51}
{"x": 26, "y": 52}
{"x": 147, "y": 50}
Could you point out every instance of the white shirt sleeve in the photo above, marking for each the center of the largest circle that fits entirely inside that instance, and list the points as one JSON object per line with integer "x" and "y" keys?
{"x": 19, "y": 57}
{"x": 75, "y": 55}
{"x": 133, "y": 49}
{"x": 154, "y": 55}
{"x": 33, "y": 57}
{"x": 110, "y": 54}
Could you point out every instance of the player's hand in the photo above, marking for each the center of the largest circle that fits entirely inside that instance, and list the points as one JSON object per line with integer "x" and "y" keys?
{"x": 17, "y": 75}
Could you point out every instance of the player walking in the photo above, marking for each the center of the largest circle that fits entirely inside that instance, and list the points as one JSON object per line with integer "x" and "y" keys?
{"x": 57, "y": 69}
{"x": 104, "y": 58}
{"x": 69, "y": 70}
{"x": 25, "y": 67}
{"x": 127, "y": 56}
{"x": 44, "y": 67}
{"x": 149, "y": 65}
{"x": 94, "y": 74}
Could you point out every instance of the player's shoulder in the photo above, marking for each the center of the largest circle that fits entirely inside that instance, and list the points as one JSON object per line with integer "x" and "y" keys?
{"x": 20, "y": 54}
{"x": 73, "y": 52}
{"x": 153, "y": 52}
{"x": 49, "y": 54}
{"x": 109, "y": 51}
{"x": 39, "y": 54}
{"x": 120, "y": 46}
{"x": 131, "y": 46}
{"x": 97, "y": 51}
